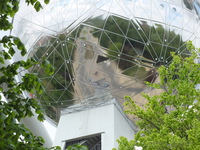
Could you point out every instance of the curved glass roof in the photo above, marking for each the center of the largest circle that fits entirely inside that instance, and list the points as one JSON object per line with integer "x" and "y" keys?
{"x": 104, "y": 48}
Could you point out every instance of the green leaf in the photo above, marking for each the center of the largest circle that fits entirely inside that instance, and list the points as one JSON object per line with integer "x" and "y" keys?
{"x": 33, "y": 1}
{"x": 29, "y": 137}
{"x": 46, "y": 1}
{"x": 6, "y": 55}
{"x": 37, "y": 6}
{"x": 2, "y": 116}
{"x": 16, "y": 40}
{"x": 23, "y": 52}
{"x": 38, "y": 111}
{"x": 11, "y": 51}
{"x": 41, "y": 117}
{"x": 15, "y": 8}
{"x": 20, "y": 45}
{"x": 2, "y": 60}
{"x": 5, "y": 39}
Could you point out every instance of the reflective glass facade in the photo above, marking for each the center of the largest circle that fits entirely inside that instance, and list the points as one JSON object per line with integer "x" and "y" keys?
{"x": 104, "y": 48}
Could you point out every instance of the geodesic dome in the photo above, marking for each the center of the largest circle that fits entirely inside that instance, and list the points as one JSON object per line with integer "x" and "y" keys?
{"x": 104, "y": 49}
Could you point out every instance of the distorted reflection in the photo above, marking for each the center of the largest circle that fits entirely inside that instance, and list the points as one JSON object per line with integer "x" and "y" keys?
{"x": 101, "y": 58}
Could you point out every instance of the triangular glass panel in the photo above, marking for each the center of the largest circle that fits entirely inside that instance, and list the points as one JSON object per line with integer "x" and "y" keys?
{"x": 174, "y": 39}
{"x": 59, "y": 51}
{"x": 174, "y": 15}
{"x": 111, "y": 54}
{"x": 136, "y": 48}
{"x": 126, "y": 61}
{"x": 151, "y": 76}
{"x": 60, "y": 75}
{"x": 122, "y": 24}
{"x": 42, "y": 73}
{"x": 149, "y": 53}
{"x": 104, "y": 40}
{"x": 55, "y": 84}
{"x": 69, "y": 50}
{"x": 131, "y": 50}
{"x": 55, "y": 59}
{"x": 111, "y": 62}
{"x": 45, "y": 82}
{"x": 51, "y": 53}
{"x": 66, "y": 96}
{"x": 75, "y": 33}
{"x": 46, "y": 98}
{"x": 53, "y": 40}
{"x": 156, "y": 49}
{"x": 144, "y": 29}
{"x": 130, "y": 71}
{"x": 55, "y": 94}
{"x": 160, "y": 30}
{"x": 187, "y": 18}
{"x": 112, "y": 26}
{"x": 142, "y": 9}
{"x": 96, "y": 33}
{"x": 97, "y": 19}
{"x": 70, "y": 85}
{"x": 158, "y": 9}
{"x": 61, "y": 36}
{"x": 101, "y": 59}
{"x": 154, "y": 35}
{"x": 82, "y": 7}
{"x": 47, "y": 17}
{"x": 141, "y": 73}
{"x": 116, "y": 42}
{"x": 39, "y": 20}
{"x": 68, "y": 9}
{"x": 119, "y": 7}
{"x": 40, "y": 51}
{"x": 43, "y": 41}
{"x": 133, "y": 32}
{"x": 58, "y": 57}
{"x": 105, "y": 5}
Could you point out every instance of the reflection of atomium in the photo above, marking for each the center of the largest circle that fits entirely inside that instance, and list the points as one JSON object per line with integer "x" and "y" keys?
{"x": 107, "y": 49}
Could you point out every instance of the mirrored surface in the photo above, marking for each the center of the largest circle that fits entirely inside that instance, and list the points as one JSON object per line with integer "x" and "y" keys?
{"x": 105, "y": 49}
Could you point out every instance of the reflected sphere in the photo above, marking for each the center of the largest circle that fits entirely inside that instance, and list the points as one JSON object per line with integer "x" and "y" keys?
{"x": 103, "y": 49}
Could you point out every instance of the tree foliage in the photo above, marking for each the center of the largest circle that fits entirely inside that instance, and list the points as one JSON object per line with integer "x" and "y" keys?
{"x": 12, "y": 134}
{"x": 170, "y": 120}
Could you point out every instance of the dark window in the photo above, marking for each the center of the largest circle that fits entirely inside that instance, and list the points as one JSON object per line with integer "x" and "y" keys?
{"x": 92, "y": 142}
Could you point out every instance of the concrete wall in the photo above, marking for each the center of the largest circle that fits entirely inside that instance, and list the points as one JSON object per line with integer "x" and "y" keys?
{"x": 106, "y": 120}
{"x": 123, "y": 126}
